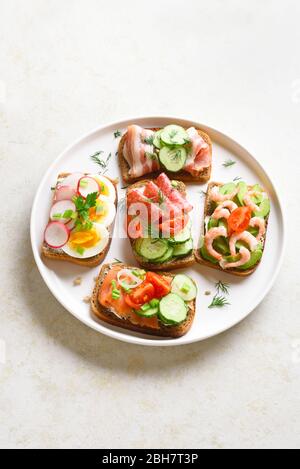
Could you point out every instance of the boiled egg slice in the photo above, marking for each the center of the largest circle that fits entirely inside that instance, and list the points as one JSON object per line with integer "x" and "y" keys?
{"x": 104, "y": 212}
{"x": 88, "y": 243}
{"x": 106, "y": 187}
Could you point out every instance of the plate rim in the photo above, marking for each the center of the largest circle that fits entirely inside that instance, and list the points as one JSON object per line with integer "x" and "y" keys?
{"x": 120, "y": 335}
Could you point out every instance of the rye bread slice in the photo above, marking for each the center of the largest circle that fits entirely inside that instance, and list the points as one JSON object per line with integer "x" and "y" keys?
{"x": 173, "y": 264}
{"x": 197, "y": 253}
{"x": 181, "y": 175}
{"x": 60, "y": 255}
{"x": 107, "y": 315}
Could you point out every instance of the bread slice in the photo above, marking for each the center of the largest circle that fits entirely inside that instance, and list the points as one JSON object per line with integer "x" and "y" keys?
{"x": 107, "y": 315}
{"x": 173, "y": 264}
{"x": 181, "y": 175}
{"x": 197, "y": 253}
{"x": 60, "y": 255}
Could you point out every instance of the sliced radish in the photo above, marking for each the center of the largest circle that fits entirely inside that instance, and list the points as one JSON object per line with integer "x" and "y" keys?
{"x": 59, "y": 208}
{"x": 72, "y": 180}
{"x": 87, "y": 185}
{"x": 70, "y": 224}
{"x": 64, "y": 193}
{"x": 56, "y": 234}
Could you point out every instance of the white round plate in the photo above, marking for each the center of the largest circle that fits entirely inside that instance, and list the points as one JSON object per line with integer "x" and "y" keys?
{"x": 245, "y": 293}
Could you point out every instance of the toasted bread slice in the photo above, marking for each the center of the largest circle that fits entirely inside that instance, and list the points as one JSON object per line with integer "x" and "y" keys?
{"x": 173, "y": 264}
{"x": 60, "y": 255}
{"x": 197, "y": 253}
{"x": 181, "y": 175}
{"x": 107, "y": 315}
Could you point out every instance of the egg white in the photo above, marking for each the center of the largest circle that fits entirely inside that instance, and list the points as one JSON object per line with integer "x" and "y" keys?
{"x": 111, "y": 191}
{"x": 110, "y": 208}
{"x": 92, "y": 251}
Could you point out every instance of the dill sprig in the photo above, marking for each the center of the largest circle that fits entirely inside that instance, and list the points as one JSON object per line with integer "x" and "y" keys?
{"x": 117, "y": 261}
{"x": 117, "y": 133}
{"x": 149, "y": 140}
{"x": 228, "y": 163}
{"x": 152, "y": 156}
{"x": 100, "y": 161}
{"x": 237, "y": 178}
{"x": 218, "y": 302}
{"x": 222, "y": 287}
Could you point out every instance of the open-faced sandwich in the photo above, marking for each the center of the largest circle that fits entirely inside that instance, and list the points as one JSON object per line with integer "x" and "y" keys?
{"x": 81, "y": 219}
{"x": 184, "y": 154}
{"x": 158, "y": 224}
{"x": 158, "y": 304}
{"x": 234, "y": 232}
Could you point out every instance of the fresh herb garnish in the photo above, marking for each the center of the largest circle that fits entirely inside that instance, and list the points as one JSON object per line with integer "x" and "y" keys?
{"x": 222, "y": 287}
{"x": 117, "y": 133}
{"x": 152, "y": 156}
{"x": 117, "y": 261}
{"x": 237, "y": 178}
{"x": 80, "y": 250}
{"x": 83, "y": 206}
{"x": 102, "y": 163}
{"x": 218, "y": 302}
{"x": 228, "y": 163}
{"x": 116, "y": 294}
{"x": 203, "y": 193}
{"x": 149, "y": 140}
{"x": 161, "y": 197}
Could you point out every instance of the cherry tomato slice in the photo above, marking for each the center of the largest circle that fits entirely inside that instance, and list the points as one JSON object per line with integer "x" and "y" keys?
{"x": 239, "y": 219}
{"x": 140, "y": 295}
{"x": 162, "y": 287}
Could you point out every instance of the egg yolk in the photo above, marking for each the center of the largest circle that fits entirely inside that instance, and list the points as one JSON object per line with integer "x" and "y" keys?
{"x": 99, "y": 213}
{"x": 104, "y": 190}
{"x": 84, "y": 239}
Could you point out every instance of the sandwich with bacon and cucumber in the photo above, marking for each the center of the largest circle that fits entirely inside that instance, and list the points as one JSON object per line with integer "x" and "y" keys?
{"x": 184, "y": 154}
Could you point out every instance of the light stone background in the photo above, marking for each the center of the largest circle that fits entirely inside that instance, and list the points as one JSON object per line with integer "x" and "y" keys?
{"x": 67, "y": 66}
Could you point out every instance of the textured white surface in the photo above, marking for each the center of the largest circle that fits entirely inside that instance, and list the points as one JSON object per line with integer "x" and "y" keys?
{"x": 67, "y": 66}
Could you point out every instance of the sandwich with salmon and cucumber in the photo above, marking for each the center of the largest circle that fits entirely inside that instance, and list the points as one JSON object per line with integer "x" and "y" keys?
{"x": 81, "y": 219}
{"x": 185, "y": 154}
{"x": 235, "y": 226}
{"x": 161, "y": 304}
{"x": 159, "y": 225}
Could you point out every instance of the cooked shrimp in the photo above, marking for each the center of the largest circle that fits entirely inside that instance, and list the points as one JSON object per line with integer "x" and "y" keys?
{"x": 260, "y": 224}
{"x": 217, "y": 197}
{"x": 249, "y": 202}
{"x": 244, "y": 257}
{"x": 224, "y": 209}
{"x": 209, "y": 238}
{"x": 244, "y": 236}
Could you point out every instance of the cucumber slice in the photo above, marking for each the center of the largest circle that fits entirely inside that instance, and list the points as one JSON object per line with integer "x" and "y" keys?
{"x": 183, "y": 249}
{"x": 182, "y": 236}
{"x": 174, "y": 135}
{"x": 137, "y": 246}
{"x": 157, "y": 140}
{"x": 221, "y": 245}
{"x": 227, "y": 188}
{"x": 264, "y": 209}
{"x": 173, "y": 159}
{"x": 149, "y": 313}
{"x": 172, "y": 309}
{"x": 242, "y": 186}
{"x": 206, "y": 256}
{"x": 185, "y": 287}
{"x": 213, "y": 223}
{"x": 152, "y": 249}
{"x": 166, "y": 257}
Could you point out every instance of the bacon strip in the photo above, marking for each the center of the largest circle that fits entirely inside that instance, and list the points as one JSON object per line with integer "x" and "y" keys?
{"x": 135, "y": 151}
{"x": 199, "y": 157}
